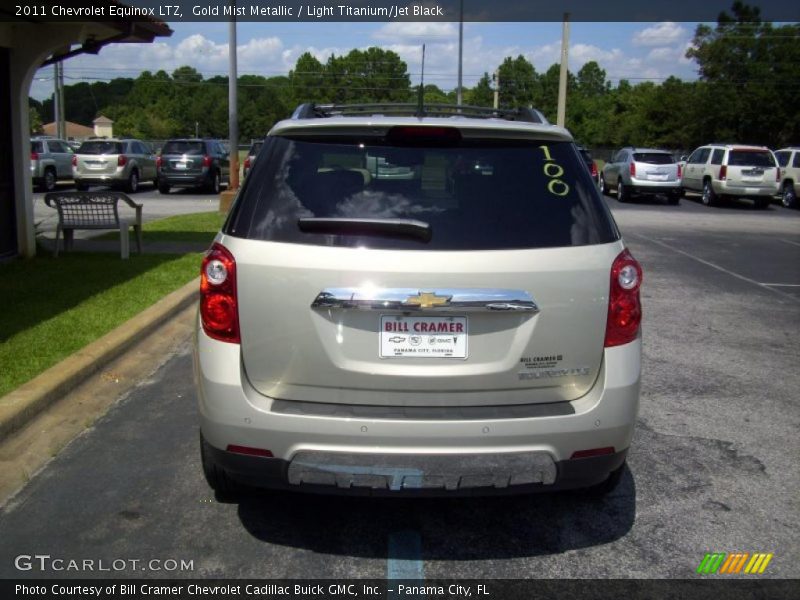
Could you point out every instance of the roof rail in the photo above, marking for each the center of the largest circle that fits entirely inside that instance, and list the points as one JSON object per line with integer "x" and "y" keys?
{"x": 314, "y": 111}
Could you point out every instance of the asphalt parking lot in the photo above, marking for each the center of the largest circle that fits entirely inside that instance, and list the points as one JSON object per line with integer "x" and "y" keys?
{"x": 713, "y": 466}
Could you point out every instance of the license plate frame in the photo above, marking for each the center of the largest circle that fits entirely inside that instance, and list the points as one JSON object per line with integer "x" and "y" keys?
{"x": 439, "y": 337}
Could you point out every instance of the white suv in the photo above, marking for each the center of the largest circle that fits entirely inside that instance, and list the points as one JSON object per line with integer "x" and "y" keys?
{"x": 732, "y": 170}
{"x": 418, "y": 302}
{"x": 789, "y": 163}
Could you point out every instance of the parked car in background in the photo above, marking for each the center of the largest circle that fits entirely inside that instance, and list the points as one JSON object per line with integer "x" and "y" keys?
{"x": 193, "y": 163}
{"x": 590, "y": 164}
{"x": 789, "y": 164}
{"x": 472, "y": 326}
{"x": 250, "y": 159}
{"x": 732, "y": 170}
{"x": 122, "y": 163}
{"x": 51, "y": 162}
{"x": 642, "y": 171}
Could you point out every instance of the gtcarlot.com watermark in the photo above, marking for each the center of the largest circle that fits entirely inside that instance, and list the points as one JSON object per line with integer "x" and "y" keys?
{"x": 47, "y": 563}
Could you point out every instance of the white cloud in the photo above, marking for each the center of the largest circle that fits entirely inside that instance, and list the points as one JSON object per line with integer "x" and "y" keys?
{"x": 661, "y": 34}
{"x": 421, "y": 32}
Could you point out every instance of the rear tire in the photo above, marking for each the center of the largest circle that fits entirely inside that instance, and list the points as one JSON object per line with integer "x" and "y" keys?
{"x": 788, "y": 197}
{"x": 608, "y": 486}
{"x": 163, "y": 188}
{"x": 214, "y": 184}
{"x": 216, "y": 477}
{"x": 674, "y": 198}
{"x": 709, "y": 197}
{"x": 623, "y": 195}
{"x": 602, "y": 186}
{"x": 762, "y": 203}
{"x": 49, "y": 180}
{"x": 133, "y": 182}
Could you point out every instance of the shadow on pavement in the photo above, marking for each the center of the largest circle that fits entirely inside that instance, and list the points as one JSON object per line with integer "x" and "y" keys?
{"x": 450, "y": 528}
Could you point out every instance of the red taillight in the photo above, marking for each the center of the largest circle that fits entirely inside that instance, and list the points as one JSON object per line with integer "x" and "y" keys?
{"x": 594, "y": 169}
{"x": 247, "y": 163}
{"x": 633, "y": 169}
{"x": 593, "y": 452}
{"x": 219, "y": 311}
{"x": 680, "y": 172}
{"x": 74, "y": 161}
{"x": 624, "y": 307}
{"x": 247, "y": 450}
{"x": 35, "y": 156}
{"x": 121, "y": 160}
{"x": 206, "y": 161}
{"x": 159, "y": 162}
{"x": 723, "y": 172}
{"x": 778, "y": 174}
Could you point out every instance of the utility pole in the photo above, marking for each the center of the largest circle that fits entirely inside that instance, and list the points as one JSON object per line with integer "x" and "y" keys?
{"x": 58, "y": 101}
{"x": 562, "y": 80}
{"x": 233, "y": 113}
{"x": 460, "y": 52}
{"x": 496, "y": 78}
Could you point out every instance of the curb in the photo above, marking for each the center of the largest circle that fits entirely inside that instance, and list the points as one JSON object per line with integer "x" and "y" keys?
{"x": 21, "y": 405}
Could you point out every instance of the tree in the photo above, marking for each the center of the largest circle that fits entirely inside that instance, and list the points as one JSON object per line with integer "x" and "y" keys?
{"x": 749, "y": 70}
{"x": 518, "y": 82}
{"x": 591, "y": 80}
{"x": 482, "y": 94}
{"x": 35, "y": 121}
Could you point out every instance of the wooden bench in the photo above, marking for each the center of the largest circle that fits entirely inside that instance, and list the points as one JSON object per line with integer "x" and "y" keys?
{"x": 94, "y": 210}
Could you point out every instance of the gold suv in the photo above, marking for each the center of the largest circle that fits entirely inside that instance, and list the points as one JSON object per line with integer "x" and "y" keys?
{"x": 719, "y": 171}
{"x": 789, "y": 163}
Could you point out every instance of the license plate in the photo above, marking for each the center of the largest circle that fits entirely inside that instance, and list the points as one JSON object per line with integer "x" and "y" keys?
{"x": 181, "y": 165}
{"x": 423, "y": 337}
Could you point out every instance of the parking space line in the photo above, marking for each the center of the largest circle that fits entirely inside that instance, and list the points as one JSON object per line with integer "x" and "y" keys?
{"x": 714, "y": 266}
{"x": 788, "y": 242}
{"x": 404, "y": 560}
{"x": 782, "y": 284}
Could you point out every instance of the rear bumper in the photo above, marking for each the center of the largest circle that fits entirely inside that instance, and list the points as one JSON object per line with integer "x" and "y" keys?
{"x": 642, "y": 186}
{"x": 184, "y": 180}
{"x": 233, "y": 413}
{"x": 724, "y": 188}
{"x": 100, "y": 179}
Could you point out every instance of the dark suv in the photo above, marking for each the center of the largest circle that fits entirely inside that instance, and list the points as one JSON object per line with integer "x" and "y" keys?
{"x": 192, "y": 163}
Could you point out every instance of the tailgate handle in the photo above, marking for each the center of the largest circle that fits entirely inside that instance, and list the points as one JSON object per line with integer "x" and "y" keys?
{"x": 458, "y": 300}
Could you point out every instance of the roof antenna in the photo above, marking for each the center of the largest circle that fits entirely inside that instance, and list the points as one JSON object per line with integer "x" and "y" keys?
{"x": 421, "y": 95}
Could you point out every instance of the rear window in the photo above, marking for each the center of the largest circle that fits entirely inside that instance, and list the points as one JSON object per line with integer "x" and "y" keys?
{"x": 182, "y": 147}
{"x": 475, "y": 195}
{"x": 653, "y": 158}
{"x": 750, "y": 158}
{"x": 783, "y": 158}
{"x": 101, "y": 148}
{"x": 37, "y": 147}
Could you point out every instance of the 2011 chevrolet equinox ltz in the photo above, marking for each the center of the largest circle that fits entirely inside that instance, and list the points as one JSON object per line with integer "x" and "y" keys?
{"x": 412, "y": 300}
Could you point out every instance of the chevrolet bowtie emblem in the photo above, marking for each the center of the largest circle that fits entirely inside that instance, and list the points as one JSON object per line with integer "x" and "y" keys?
{"x": 427, "y": 300}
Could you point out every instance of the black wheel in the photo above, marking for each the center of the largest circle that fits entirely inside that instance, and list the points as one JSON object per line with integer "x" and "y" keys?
{"x": 602, "y": 186}
{"x": 214, "y": 184}
{"x": 609, "y": 485}
{"x": 133, "y": 182}
{"x": 623, "y": 195}
{"x": 788, "y": 197}
{"x": 49, "y": 181}
{"x": 163, "y": 188}
{"x": 216, "y": 477}
{"x": 674, "y": 198}
{"x": 709, "y": 197}
{"x": 81, "y": 187}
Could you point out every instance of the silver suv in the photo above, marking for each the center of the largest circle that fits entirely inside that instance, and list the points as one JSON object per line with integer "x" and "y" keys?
{"x": 789, "y": 164}
{"x": 642, "y": 171}
{"x": 418, "y": 302}
{"x": 117, "y": 163}
{"x": 732, "y": 170}
{"x": 51, "y": 162}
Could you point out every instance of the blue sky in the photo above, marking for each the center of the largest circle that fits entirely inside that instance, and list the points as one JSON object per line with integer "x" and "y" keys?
{"x": 634, "y": 51}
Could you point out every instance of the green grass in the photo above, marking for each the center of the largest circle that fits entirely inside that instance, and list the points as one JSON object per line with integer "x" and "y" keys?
{"x": 54, "y": 307}
{"x": 195, "y": 227}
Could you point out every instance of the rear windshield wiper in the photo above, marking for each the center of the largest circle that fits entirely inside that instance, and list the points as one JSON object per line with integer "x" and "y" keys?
{"x": 406, "y": 228}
